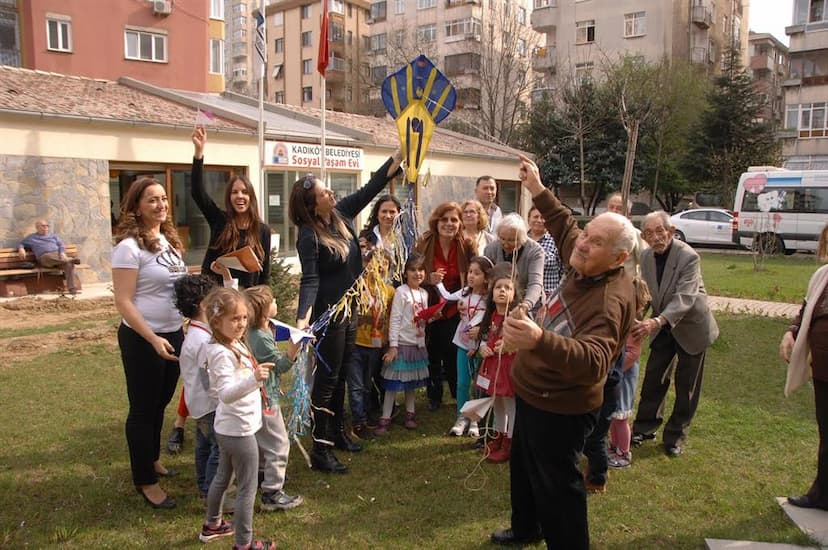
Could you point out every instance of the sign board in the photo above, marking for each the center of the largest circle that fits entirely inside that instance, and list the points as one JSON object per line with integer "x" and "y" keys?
{"x": 306, "y": 155}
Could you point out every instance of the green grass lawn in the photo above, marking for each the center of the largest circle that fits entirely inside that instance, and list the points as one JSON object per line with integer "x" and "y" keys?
{"x": 783, "y": 279}
{"x": 65, "y": 481}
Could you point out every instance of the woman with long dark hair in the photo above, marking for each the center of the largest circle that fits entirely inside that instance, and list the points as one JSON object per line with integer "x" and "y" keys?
{"x": 236, "y": 226}
{"x": 331, "y": 261}
{"x": 380, "y": 226}
{"x": 146, "y": 261}
{"x": 447, "y": 256}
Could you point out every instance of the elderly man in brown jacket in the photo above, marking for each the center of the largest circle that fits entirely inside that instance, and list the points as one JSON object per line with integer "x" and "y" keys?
{"x": 562, "y": 362}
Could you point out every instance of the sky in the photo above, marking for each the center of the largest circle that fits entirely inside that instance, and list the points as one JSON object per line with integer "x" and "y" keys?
{"x": 771, "y": 16}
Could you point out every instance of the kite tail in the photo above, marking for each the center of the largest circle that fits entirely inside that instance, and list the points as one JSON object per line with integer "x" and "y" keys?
{"x": 299, "y": 395}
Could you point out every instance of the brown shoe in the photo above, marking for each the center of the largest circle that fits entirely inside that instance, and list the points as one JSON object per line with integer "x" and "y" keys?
{"x": 595, "y": 487}
{"x": 361, "y": 431}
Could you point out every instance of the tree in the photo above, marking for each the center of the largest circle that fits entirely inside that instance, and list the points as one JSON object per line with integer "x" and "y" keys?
{"x": 729, "y": 136}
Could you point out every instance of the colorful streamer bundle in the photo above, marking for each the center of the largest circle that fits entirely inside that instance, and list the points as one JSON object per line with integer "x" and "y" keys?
{"x": 299, "y": 395}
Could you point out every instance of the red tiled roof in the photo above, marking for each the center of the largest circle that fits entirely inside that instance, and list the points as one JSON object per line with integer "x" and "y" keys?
{"x": 42, "y": 92}
{"x": 384, "y": 131}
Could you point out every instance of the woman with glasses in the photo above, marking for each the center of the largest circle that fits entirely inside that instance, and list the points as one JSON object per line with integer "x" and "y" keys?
{"x": 475, "y": 222}
{"x": 447, "y": 255}
{"x": 331, "y": 261}
{"x": 146, "y": 261}
{"x": 237, "y": 226}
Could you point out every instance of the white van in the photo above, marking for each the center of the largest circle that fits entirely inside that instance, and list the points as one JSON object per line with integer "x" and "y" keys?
{"x": 786, "y": 208}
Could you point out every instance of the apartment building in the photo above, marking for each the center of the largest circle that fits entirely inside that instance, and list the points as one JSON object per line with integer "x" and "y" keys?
{"x": 768, "y": 68}
{"x": 240, "y": 74}
{"x": 293, "y": 32}
{"x": 805, "y": 137}
{"x": 583, "y": 34}
{"x": 172, "y": 44}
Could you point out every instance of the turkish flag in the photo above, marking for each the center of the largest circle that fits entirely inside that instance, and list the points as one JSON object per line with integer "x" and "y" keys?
{"x": 324, "y": 46}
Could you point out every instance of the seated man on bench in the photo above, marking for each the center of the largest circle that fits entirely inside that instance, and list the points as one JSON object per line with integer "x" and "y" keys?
{"x": 50, "y": 252}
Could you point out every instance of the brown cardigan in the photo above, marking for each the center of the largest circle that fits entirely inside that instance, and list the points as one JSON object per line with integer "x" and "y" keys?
{"x": 585, "y": 326}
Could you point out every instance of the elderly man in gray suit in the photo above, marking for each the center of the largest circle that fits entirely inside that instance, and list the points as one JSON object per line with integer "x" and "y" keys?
{"x": 681, "y": 324}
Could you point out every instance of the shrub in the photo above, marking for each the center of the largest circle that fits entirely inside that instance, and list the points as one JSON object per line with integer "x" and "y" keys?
{"x": 285, "y": 287}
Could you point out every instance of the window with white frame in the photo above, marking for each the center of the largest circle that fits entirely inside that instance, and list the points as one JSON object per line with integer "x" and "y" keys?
{"x": 463, "y": 27}
{"x": 307, "y": 39}
{"x": 521, "y": 15}
{"x": 240, "y": 9}
{"x": 539, "y": 4}
{"x": 426, "y": 4}
{"x": 307, "y": 66}
{"x": 216, "y": 56}
{"x": 145, "y": 46}
{"x": 399, "y": 38}
{"x": 240, "y": 34}
{"x": 306, "y": 11}
{"x": 521, "y": 47}
{"x": 427, "y": 33}
{"x": 337, "y": 6}
{"x": 399, "y": 6}
{"x": 377, "y": 43}
{"x": 791, "y": 117}
{"x": 280, "y": 45}
{"x": 59, "y": 35}
{"x": 585, "y": 32}
{"x": 635, "y": 24}
{"x": 277, "y": 71}
{"x": 307, "y": 94}
{"x": 811, "y": 119}
{"x": 279, "y": 18}
{"x": 217, "y": 9}
{"x": 279, "y": 97}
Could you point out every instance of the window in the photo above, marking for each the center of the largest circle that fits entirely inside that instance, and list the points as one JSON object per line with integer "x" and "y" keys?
{"x": 585, "y": 32}
{"x": 350, "y": 11}
{"x": 336, "y": 32}
{"x": 378, "y": 11}
{"x": 464, "y": 63}
{"x": 307, "y": 94}
{"x": 378, "y": 74}
{"x": 337, "y": 6}
{"x": 145, "y": 46}
{"x": 399, "y": 38}
{"x": 240, "y": 35}
{"x": 811, "y": 119}
{"x": 216, "y": 56}
{"x": 279, "y": 18}
{"x": 217, "y": 9}
{"x": 463, "y": 27}
{"x": 506, "y": 8}
{"x": 806, "y": 200}
{"x": 543, "y": 4}
{"x": 59, "y": 35}
{"x": 306, "y": 11}
{"x": 240, "y": 9}
{"x": 427, "y": 33}
{"x": 350, "y": 37}
{"x": 307, "y": 66}
{"x": 277, "y": 71}
{"x": 583, "y": 71}
{"x": 399, "y": 6}
{"x": 521, "y": 15}
{"x": 817, "y": 11}
{"x": 635, "y": 24}
{"x": 377, "y": 43}
{"x": 307, "y": 39}
{"x": 469, "y": 98}
{"x": 521, "y": 47}
{"x": 425, "y": 4}
{"x": 280, "y": 45}
{"x": 279, "y": 97}
{"x": 791, "y": 116}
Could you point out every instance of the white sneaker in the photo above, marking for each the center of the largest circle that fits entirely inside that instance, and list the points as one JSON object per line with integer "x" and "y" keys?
{"x": 459, "y": 426}
{"x": 474, "y": 431}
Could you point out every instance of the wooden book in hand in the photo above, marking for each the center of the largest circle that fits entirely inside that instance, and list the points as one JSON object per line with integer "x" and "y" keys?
{"x": 243, "y": 259}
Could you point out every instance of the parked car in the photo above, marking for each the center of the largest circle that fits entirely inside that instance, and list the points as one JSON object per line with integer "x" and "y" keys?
{"x": 704, "y": 226}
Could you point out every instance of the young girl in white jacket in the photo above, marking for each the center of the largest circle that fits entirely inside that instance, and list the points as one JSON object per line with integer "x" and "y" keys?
{"x": 237, "y": 379}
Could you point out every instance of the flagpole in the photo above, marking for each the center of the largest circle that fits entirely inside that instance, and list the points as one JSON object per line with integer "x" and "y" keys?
{"x": 262, "y": 31}
{"x": 322, "y": 85}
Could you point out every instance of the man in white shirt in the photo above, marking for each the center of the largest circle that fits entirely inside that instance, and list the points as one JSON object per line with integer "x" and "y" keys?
{"x": 485, "y": 191}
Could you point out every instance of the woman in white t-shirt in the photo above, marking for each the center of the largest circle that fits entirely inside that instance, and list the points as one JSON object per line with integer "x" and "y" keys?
{"x": 146, "y": 261}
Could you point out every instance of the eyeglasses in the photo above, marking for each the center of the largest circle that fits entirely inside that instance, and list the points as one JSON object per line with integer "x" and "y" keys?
{"x": 309, "y": 179}
{"x": 650, "y": 233}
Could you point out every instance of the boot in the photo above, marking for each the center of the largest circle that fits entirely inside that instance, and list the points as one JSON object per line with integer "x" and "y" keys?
{"x": 503, "y": 453}
{"x": 494, "y": 444}
{"x": 323, "y": 459}
{"x": 341, "y": 439}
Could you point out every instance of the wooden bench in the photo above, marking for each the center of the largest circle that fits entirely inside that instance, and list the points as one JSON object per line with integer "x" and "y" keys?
{"x": 18, "y": 279}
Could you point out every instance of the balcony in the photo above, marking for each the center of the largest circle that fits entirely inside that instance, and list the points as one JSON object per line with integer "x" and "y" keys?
{"x": 10, "y": 56}
{"x": 336, "y": 69}
{"x": 544, "y": 17}
{"x": 544, "y": 59}
{"x": 702, "y": 17}
{"x": 455, "y": 3}
{"x": 699, "y": 56}
{"x": 761, "y": 63}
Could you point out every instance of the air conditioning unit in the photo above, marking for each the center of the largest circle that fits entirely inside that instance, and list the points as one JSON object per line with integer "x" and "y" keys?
{"x": 162, "y": 7}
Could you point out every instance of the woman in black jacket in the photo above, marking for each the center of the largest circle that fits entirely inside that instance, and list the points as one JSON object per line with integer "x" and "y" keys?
{"x": 236, "y": 226}
{"x": 331, "y": 261}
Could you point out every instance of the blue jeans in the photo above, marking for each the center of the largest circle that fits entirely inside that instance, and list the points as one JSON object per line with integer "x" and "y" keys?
{"x": 206, "y": 453}
{"x": 359, "y": 369}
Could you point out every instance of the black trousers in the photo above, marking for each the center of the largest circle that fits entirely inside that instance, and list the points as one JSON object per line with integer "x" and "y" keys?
{"x": 688, "y": 383}
{"x": 150, "y": 382}
{"x": 328, "y": 392}
{"x": 547, "y": 487}
{"x": 818, "y": 493}
{"x": 442, "y": 357}
{"x": 595, "y": 446}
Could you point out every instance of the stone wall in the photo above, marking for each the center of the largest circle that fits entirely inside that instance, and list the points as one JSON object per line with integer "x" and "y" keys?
{"x": 73, "y": 194}
{"x": 441, "y": 189}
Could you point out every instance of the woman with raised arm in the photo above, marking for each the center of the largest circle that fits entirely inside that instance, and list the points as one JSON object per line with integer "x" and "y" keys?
{"x": 331, "y": 261}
